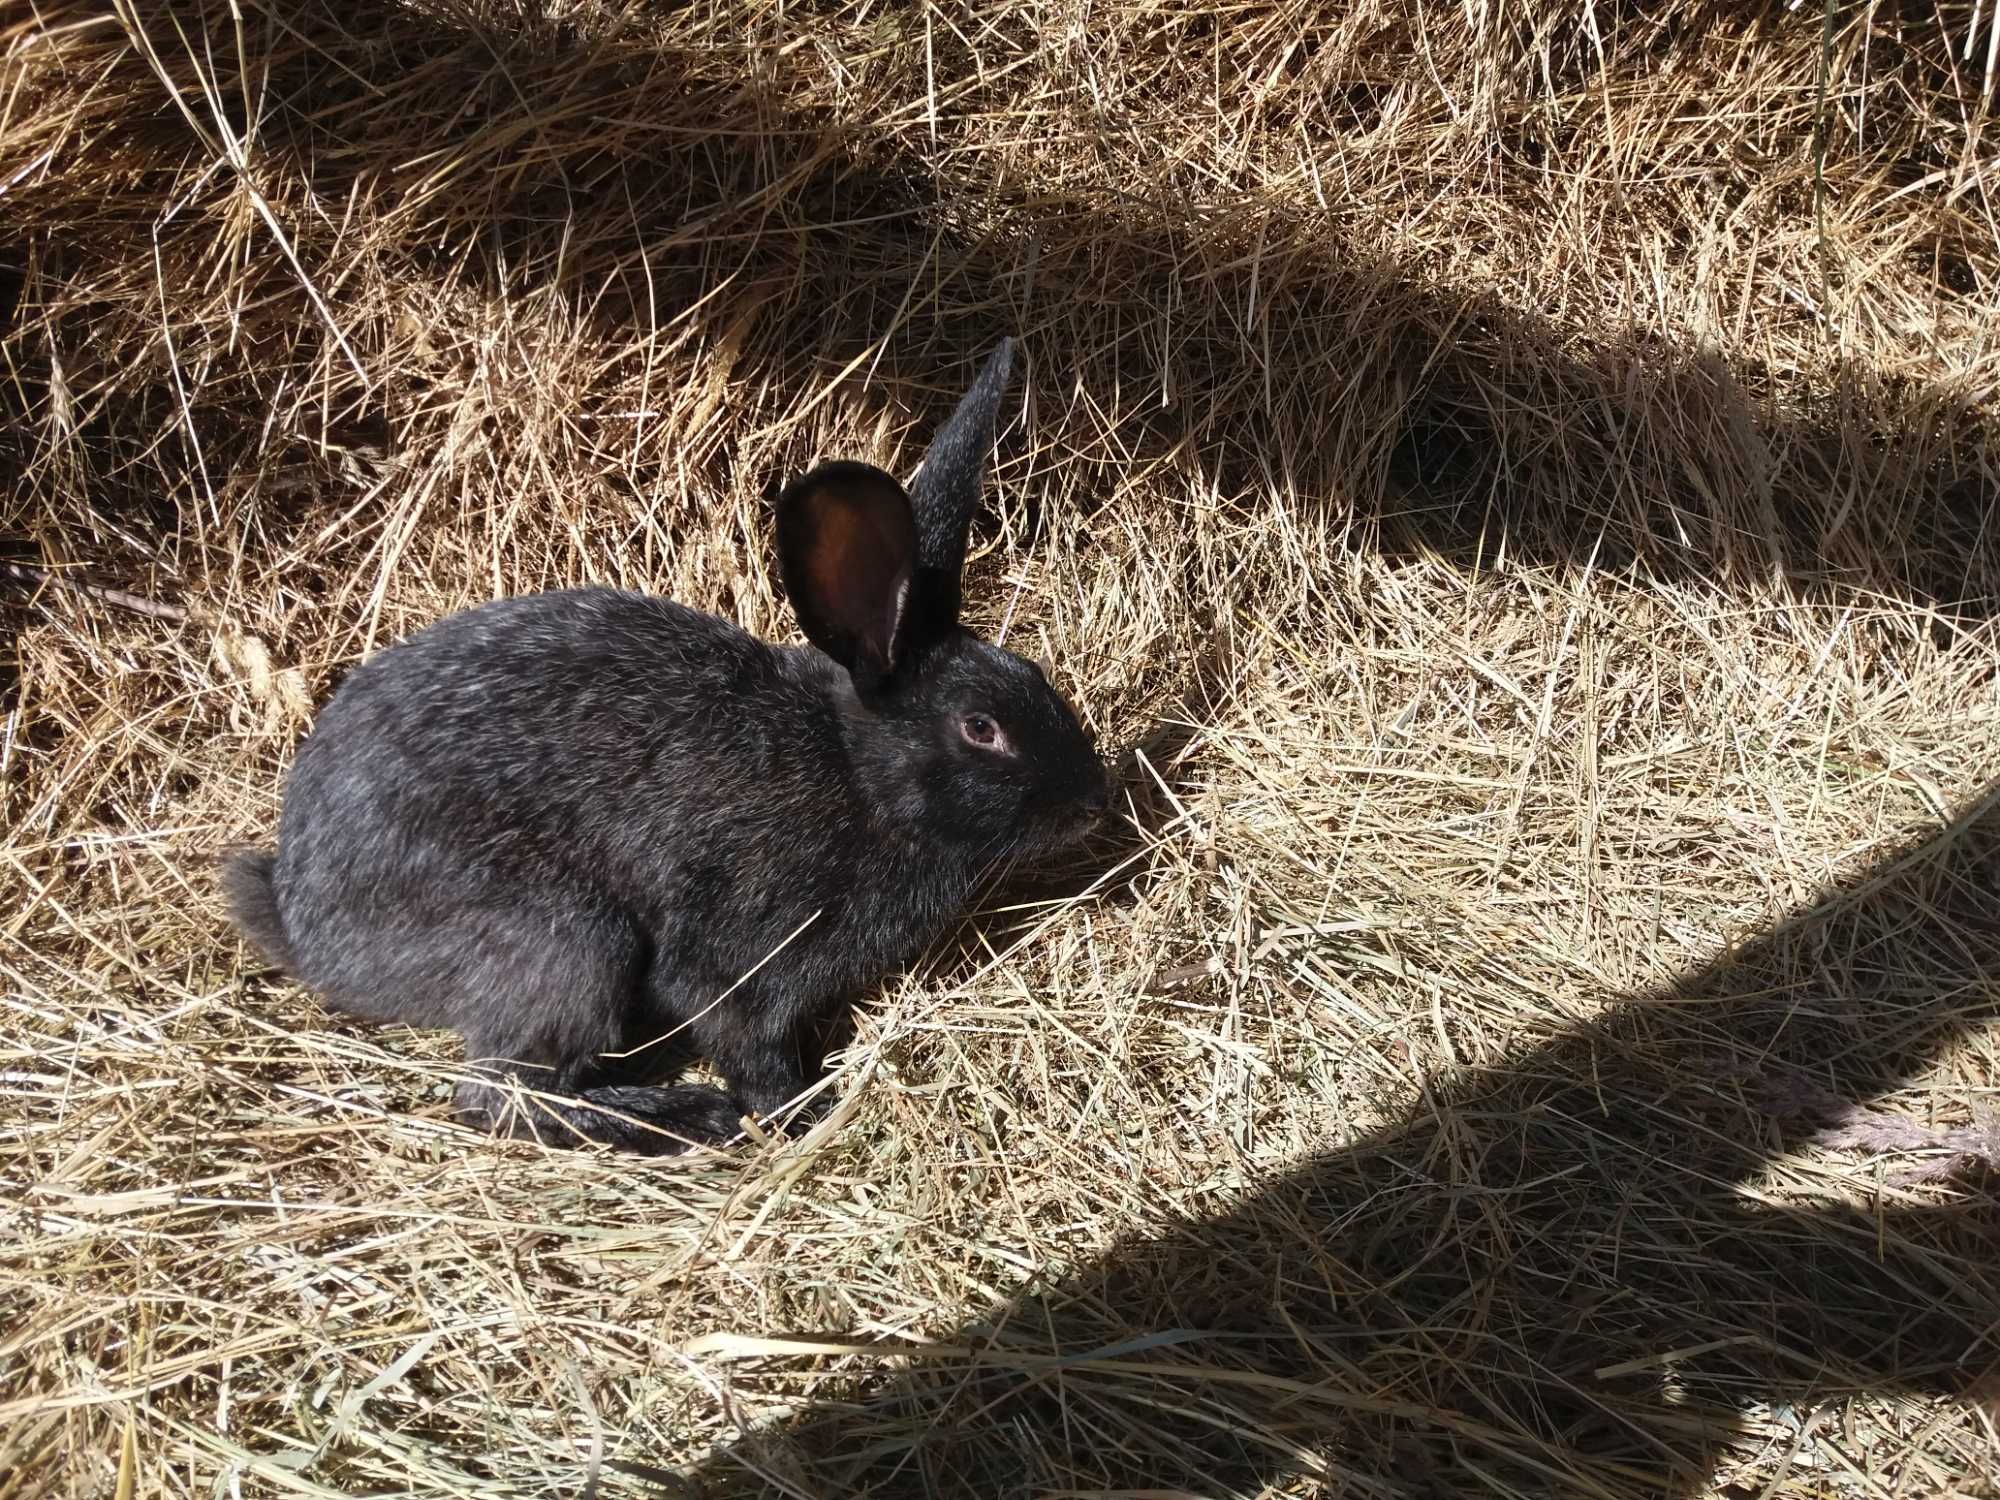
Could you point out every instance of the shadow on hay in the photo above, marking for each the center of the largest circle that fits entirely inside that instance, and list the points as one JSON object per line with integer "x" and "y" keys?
{"x": 1569, "y": 1273}
{"x": 1249, "y": 342}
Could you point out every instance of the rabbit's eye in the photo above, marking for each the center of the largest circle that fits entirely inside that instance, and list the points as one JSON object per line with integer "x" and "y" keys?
{"x": 980, "y": 730}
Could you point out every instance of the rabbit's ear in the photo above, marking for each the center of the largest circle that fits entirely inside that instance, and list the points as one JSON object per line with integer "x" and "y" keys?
{"x": 847, "y": 549}
{"x": 946, "y": 490}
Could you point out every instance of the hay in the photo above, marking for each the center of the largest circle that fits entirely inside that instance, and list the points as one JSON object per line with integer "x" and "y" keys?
{"x": 1517, "y": 483}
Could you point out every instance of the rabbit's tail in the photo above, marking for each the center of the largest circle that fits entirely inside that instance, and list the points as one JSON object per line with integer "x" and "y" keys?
{"x": 246, "y": 886}
{"x": 649, "y": 1121}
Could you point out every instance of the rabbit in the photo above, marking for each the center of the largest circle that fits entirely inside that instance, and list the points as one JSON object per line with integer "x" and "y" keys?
{"x": 573, "y": 824}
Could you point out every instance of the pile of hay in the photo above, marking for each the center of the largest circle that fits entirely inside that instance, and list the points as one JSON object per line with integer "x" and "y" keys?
{"x": 1515, "y": 485}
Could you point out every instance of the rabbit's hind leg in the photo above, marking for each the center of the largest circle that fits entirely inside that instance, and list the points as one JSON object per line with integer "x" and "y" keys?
{"x": 542, "y": 992}
{"x": 768, "y": 1053}
{"x": 554, "y": 1050}
{"x": 644, "y": 1121}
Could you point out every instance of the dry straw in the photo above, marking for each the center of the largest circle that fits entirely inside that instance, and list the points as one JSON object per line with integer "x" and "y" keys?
{"x": 1516, "y": 483}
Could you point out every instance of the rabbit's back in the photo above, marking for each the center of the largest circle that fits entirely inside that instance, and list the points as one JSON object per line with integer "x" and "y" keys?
{"x": 589, "y": 720}
{"x": 543, "y": 669}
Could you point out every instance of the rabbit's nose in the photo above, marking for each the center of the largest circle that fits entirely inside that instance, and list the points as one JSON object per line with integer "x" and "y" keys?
{"x": 1095, "y": 803}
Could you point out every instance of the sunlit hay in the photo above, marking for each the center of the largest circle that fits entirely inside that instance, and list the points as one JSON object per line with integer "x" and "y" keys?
{"x": 1512, "y": 487}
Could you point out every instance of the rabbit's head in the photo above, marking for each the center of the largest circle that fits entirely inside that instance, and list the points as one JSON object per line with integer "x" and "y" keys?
{"x": 957, "y": 739}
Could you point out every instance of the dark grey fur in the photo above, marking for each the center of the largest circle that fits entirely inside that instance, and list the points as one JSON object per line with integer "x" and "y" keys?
{"x": 569, "y": 824}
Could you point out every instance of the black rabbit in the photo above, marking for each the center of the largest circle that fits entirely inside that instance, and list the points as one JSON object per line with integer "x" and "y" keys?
{"x": 571, "y": 824}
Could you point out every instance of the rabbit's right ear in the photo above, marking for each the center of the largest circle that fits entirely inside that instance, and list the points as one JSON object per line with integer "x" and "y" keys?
{"x": 945, "y": 492}
{"x": 847, "y": 550}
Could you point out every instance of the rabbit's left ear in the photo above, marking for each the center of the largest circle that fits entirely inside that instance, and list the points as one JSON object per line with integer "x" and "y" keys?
{"x": 946, "y": 491}
{"x": 847, "y": 550}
